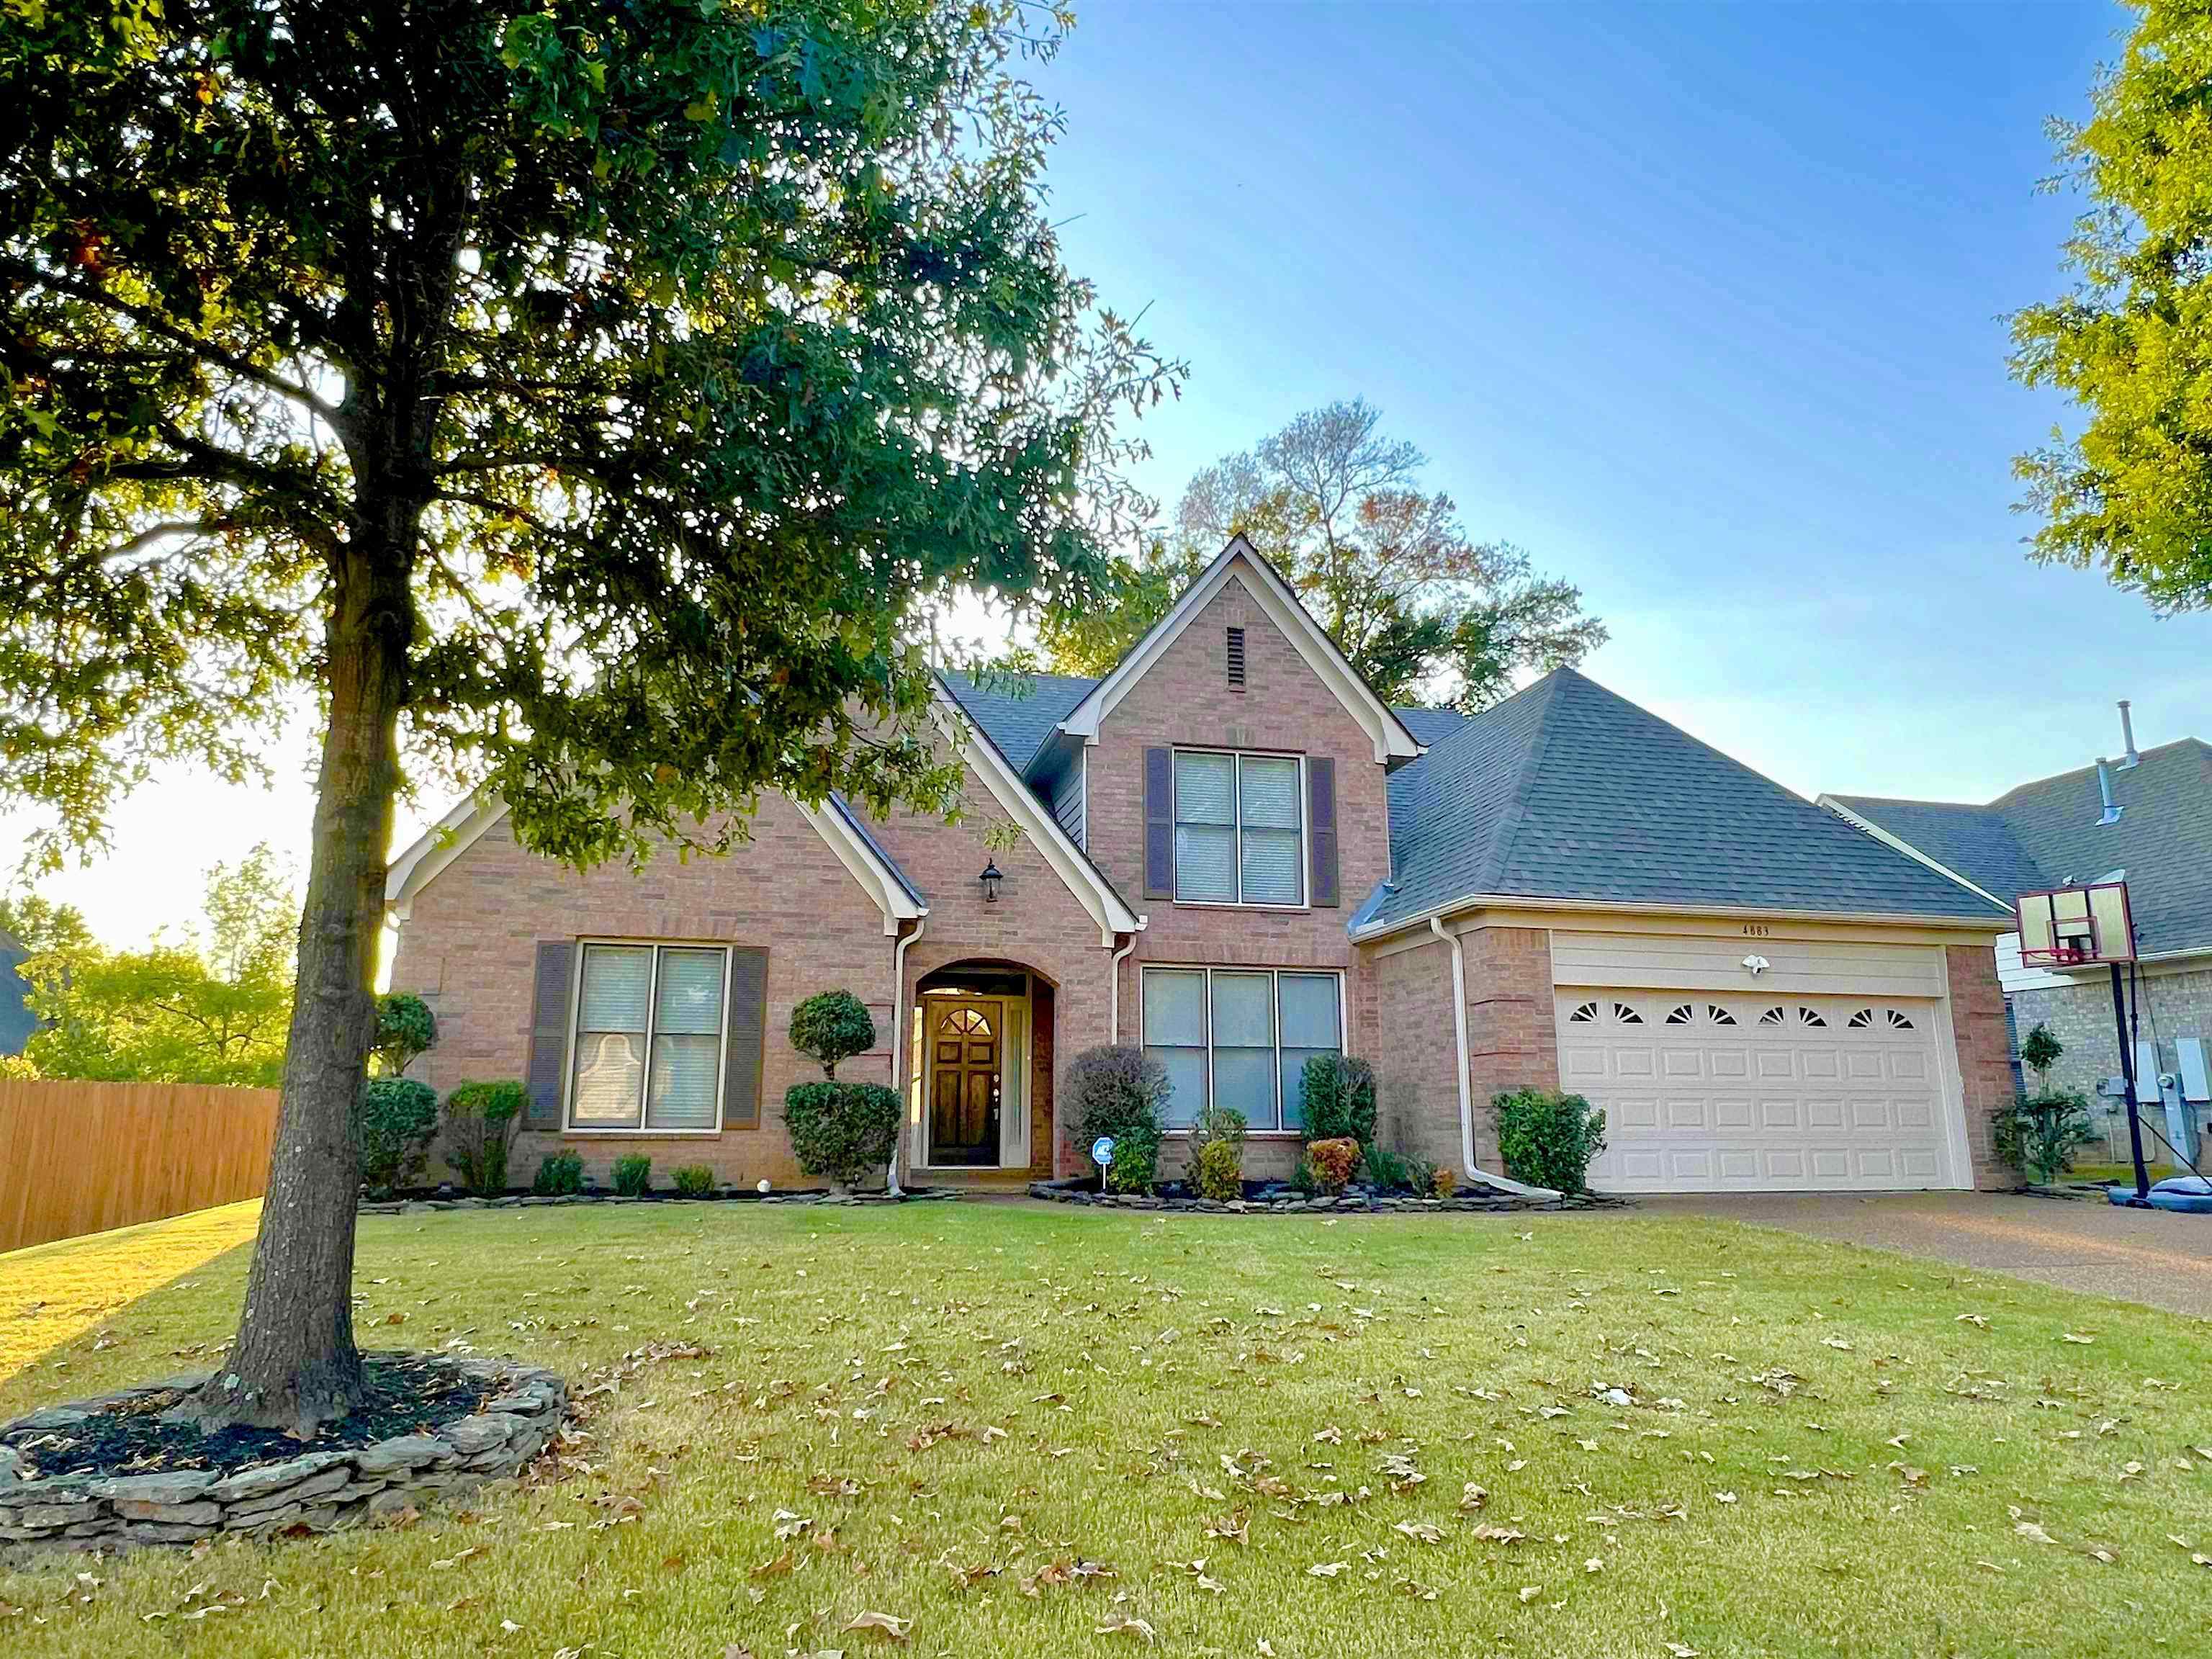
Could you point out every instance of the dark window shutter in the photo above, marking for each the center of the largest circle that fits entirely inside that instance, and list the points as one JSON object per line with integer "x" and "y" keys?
{"x": 1159, "y": 823}
{"x": 549, "y": 1031}
{"x": 747, "y": 1023}
{"x": 1320, "y": 829}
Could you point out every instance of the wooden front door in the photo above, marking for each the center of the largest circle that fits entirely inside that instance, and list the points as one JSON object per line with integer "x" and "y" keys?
{"x": 967, "y": 1038}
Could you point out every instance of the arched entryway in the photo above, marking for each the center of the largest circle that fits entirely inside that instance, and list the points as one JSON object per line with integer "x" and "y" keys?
{"x": 979, "y": 1055}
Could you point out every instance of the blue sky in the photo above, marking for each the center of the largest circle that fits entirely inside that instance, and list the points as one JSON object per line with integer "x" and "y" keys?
{"x": 1702, "y": 306}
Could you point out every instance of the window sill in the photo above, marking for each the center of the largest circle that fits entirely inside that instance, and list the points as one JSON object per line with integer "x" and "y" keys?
{"x": 1249, "y": 1134}
{"x": 1235, "y": 904}
{"x": 617, "y": 1131}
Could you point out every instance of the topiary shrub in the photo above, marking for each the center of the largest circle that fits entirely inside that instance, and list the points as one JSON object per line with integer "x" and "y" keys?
{"x": 1218, "y": 1171}
{"x": 632, "y": 1175}
{"x": 2039, "y": 1136}
{"x": 2040, "y": 1050}
{"x": 1549, "y": 1140}
{"x": 479, "y": 1129}
{"x": 1340, "y": 1099}
{"x": 1332, "y": 1163}
{"x": 832, "y": 1027}
{"x": 560, "y": 1175}
{"x": 404, "y": 1028}
{"x": 693, "y": 1179}
{"x": 841, "y": 1131}
{"x": 394, "y": 1120}
{"x": 1120, "y": 1093}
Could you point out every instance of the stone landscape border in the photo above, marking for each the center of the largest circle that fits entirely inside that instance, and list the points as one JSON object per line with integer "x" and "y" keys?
{"x": 534, "y": 1201}
{"x": 319, "y": 1491}
{"x": 1085, "y": 1190}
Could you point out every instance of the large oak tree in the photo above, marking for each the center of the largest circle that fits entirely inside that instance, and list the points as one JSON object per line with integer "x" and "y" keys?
{"x": 581, "y": 396}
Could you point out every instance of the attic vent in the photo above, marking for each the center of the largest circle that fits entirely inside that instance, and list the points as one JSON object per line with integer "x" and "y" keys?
{"x": 1236, "y": 658}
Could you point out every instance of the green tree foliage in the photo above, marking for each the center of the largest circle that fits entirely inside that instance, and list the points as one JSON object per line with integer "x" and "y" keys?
{"x": 2041, "y": 1051}
{"x": 2130, "y": 492}
{"x": 211, "y": 1007}
{"x": 2039, "y": 1136}
{"x": 582, "y": 401}
{"x": 405, "y": 1027}
{"x": 1385, "y": 564}
{"x": 832, "y": 1027}
{"x": 38, "y": 924}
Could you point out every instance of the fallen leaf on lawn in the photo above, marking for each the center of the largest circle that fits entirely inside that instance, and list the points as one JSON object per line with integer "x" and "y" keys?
{"x": 1490, "y": 1535}
{"x": 884, "y": 1623}
{"x": 1236, "y": 1528}
{"x": 1681, "y": 1651}
{"x": 1836, "y": 1342}
{"x": 1530, "y": 1592}
{"x": 2029, "y": 1529}
{"x": 1421, "y": 1531}
{"x": 1264, "y": 1647}
{"x": 1595, "y": 1564}
{"x": 1472, "y": 1498}
{"x": 1724, "y": 1497}
{"x": 1136, "y": 1627}
{"x": 2069, "y": 1337}
{"x": 1976, "y": 1320}
{"x": 1911, "y": 1473}
{"x": 1326, "y": 1569}
{"x": 775, "y": 1568}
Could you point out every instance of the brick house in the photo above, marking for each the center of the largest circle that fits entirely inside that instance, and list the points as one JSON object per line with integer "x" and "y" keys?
{"x": 2147, "y": 816}
{"x": 1230, "y": 851}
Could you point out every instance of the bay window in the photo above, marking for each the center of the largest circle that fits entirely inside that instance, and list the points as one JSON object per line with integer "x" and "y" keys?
{"x": 1240, "y": 1037}
{"x": 1239, "y": 828}
{"x": 647, "y": 1048}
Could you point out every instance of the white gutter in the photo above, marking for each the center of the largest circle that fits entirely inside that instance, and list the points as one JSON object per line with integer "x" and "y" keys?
{"x": 898, "y": 1044}
{"x": 1371, "y": 932}
{"x": 1114, "y": 986}
{"x": 1475, "y": 1170}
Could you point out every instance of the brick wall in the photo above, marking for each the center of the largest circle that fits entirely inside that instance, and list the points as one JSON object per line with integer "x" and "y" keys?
{"x": 1417, "y": 1093}
{"x": 1977, "y": 1021}
{"x": 1512, "y": 1030}
{"x": 2168, "y": 1004}
{"x": 1185, "y": 698}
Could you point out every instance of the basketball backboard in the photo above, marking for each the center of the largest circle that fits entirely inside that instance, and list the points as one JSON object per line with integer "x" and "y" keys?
{"x": 2076, "y": 927}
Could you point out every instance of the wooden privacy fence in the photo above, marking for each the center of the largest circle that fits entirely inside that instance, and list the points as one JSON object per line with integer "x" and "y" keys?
{"x": 80, "y": 1158}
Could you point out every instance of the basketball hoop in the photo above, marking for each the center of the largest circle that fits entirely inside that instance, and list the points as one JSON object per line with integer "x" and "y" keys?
{"x": 2083, "y": 927}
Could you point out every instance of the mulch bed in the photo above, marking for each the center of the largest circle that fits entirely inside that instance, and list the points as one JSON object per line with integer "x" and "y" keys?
{"x": 407, "y": 1394}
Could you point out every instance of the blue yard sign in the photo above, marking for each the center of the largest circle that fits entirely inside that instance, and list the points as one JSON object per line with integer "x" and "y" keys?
{"x": 1101, "y": 1154}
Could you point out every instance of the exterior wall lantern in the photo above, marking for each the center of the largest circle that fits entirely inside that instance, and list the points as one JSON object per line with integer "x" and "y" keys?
{"x": 990, "y": 879}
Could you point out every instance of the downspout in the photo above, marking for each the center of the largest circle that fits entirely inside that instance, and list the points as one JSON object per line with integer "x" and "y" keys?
{"x": 1474, "y": 1171}
{"x": 1113, "y": 987}
{"x": 898, "y": 1045}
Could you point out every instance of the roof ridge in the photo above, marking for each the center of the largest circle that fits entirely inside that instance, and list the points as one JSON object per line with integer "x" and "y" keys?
{"x": 1532, "y": 759}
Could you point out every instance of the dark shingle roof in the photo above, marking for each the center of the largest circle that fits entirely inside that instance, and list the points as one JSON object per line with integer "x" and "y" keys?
{"x": 2163, "y": 840}
{"x": 843, "y": 809}
{"x": 1429, "y": 726}
{"x": 1566, "y": 791}
{"x": 1018, "y": 711}
{"x": 16, "y": 1023}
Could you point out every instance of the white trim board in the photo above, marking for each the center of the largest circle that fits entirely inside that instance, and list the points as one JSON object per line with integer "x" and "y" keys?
{"x": 1899, "y": 844}
{"x": 466, "y": 823}
{"x": 1394, "y": 743}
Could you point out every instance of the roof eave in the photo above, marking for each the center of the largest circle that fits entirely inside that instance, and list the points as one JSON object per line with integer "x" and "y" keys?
{"x": 1371, "y": 931}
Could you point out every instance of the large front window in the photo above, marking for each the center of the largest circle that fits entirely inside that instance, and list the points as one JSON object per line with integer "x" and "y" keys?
{"x": 1241, "y": 1037}
{"x": 646, "y": 1052}
{"x": 1239, "y": 828}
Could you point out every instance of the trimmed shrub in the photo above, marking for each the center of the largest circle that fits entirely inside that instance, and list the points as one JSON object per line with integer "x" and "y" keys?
{"x": 560, "y": 1175}
{"x": 479, "y": 1130}
{"x": 1218, "y": 1171}
{"x": 842, "y": 1132}
{"x": 1332, "y": 1162}
{"x": 832, "y": 1027}
{"x": 1549, "y": 1140}
{"x": 1215, "y": 1122}
{"x": 2039, "y": 1136}
{"x": 1119, "y": 1091}
{"x": 1383, "y": 1170}
{"x": 2040, "y": 1050}
{"x": 632, "y": 1175}
{"x": 404, "y": 1028}
{"x": 1443, "y": 1180}
{"x": 394, "y": 1120}
{"x": 693, "y": 1180}
{"x": 1340, "y": 1099}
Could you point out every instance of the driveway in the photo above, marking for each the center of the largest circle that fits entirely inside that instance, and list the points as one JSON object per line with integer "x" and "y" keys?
{"x": 2138, "y": 1256}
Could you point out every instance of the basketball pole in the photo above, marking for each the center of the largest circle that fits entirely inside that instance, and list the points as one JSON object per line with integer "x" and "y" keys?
{"x": 2128, "y": 1077}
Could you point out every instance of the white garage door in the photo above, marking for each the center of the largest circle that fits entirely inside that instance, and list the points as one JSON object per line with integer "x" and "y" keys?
{"x": 1708, "y": 1091}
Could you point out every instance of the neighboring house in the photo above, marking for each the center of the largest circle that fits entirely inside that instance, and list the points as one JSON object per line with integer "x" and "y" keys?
{"x": 1230, "y": 851}
{"x": 16, "y": 1020}
{"x": 2056, "y": 831}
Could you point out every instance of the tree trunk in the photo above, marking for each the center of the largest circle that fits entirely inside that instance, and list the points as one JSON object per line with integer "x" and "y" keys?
{"x": 293, "y": 1364}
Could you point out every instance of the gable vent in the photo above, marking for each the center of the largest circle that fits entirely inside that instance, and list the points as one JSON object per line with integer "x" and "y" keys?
{"x": 1236, "y": 658}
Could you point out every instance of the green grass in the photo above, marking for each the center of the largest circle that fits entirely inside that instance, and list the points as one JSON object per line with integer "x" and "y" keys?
{"x": 936, "y": 1404}
{"x": 2118, "y": 1174}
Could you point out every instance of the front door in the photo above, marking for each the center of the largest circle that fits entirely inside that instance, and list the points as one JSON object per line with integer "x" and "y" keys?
{"x": 966, "y": 1044}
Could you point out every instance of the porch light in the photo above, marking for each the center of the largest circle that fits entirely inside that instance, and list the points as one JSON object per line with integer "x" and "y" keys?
{"x": 990, "y": 879}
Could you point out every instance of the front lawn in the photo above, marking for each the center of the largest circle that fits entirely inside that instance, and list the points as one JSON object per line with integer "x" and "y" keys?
{"x": 1032, "y": 1430}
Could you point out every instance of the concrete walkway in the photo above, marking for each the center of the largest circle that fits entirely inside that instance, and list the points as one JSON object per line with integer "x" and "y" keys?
{"x": 2083, "y": 1244}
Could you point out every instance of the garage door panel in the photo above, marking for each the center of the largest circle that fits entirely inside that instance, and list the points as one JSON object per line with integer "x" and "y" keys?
{"x": 1754, "y": 1093}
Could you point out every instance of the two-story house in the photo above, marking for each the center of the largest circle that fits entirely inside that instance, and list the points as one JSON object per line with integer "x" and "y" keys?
{"x": 1230, "y": 852}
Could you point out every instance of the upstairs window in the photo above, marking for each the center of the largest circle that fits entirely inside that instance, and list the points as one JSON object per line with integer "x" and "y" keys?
{"x": 1239, "y": 828}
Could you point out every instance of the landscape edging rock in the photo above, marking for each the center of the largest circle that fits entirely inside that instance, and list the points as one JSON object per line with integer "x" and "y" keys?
{"x": 1084, "y": 1189}
{"x": 321, "y": 1490}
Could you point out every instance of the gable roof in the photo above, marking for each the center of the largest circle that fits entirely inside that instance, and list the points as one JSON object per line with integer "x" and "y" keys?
{"x": 1394, "y": 743}
{"x": 2046, "y": 833}
{"x": 1565, "y": 791}
{"x": 1018, "y": 712}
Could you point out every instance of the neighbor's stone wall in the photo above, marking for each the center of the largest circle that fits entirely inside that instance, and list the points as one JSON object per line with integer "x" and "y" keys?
{"x": 320, "y": 1491}
{"x": 2173, "y": 1003}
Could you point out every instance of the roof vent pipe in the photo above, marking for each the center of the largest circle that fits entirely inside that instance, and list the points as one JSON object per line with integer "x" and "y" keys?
{"x": 2128, "y": 737}
{"x": 2112, "y": 813}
